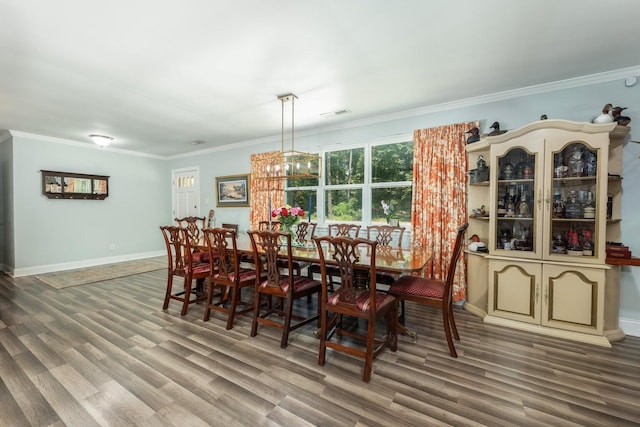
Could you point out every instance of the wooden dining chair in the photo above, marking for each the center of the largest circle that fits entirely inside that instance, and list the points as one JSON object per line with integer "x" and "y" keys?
{"x": 434, "y": 292}
{"x": 182, "y": 263}
{"x": 194, "y": 226}
{"x": 268, "y": 247}
{"x": 389, "y": 237}
{"x": 354, "y": 300}
{"x": 226, "y": 276}
{"x": 269, "y": 225}
{"x": 341, "y": 230}
{"x": 336, "y": 230}
{"x": 303, "y": 235}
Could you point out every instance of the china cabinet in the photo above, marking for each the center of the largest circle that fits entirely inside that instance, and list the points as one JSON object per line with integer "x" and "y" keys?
{"x": 553, "y": 201}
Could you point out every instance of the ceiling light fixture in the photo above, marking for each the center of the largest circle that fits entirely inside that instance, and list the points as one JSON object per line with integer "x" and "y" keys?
{"x": 290, "y": 164}
{"x": 101, "y": 140}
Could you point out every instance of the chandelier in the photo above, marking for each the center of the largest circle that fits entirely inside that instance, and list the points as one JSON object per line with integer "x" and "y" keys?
{"x": 290, "y": 164}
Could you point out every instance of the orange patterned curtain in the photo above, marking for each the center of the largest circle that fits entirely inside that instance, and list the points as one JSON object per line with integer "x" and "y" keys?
{"x": 263, "y": 190}
{"x": 439, "y": 205}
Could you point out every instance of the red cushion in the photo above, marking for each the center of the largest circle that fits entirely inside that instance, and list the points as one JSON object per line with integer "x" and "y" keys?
{"x": 363, "y": 299}
{"x": 300, "y": 283}
{"x": 198, "y": 268}
{"x": 245, "y": 274}
{"x": 418, "y": 286}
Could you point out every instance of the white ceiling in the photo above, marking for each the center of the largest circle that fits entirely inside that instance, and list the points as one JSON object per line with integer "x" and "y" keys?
{"x": 158, "y": 74}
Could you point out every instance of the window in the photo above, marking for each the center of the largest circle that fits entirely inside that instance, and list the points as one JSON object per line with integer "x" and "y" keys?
{"x": 355, "y": 181}
{"x": 391, "y": 181}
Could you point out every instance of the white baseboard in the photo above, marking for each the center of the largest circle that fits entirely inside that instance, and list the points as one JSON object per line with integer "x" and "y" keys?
{"x": 630, "y": 327}
{"x": 40, "y": 269}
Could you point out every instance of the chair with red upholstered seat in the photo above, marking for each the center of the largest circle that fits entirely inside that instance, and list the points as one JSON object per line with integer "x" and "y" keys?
{"x": 388, "y": 238}
{"x": 268, "y": 247}
{"x": 194, "y": 226}
{"x": 181, "y": 263}
{"x": 434, "y": 292}
{"x": 353, "y": 300}
{"x": 226, "y": 275}
{"x": 337, "y": 230}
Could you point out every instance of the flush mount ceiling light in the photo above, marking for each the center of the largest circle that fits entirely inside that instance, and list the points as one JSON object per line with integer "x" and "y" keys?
{"x": 101, "y": 140}
{"x": 289, "y": 164}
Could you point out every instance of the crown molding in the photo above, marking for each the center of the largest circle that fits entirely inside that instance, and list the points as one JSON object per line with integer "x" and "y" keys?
{"x": 87, "y": 145}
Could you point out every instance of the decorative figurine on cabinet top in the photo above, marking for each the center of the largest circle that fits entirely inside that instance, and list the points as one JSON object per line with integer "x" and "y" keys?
{"x": 621, "y": 120}
{"x": 606, "y": 116}
{"x": 475, "y": 135}
{"x": 496, "y": 129}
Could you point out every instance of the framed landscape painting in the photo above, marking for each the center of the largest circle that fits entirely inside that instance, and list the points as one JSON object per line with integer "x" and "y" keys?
{"x": 232, "y": 191}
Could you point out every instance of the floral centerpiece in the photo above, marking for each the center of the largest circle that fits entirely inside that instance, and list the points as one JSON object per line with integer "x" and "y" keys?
{"x": 386, "y": 210}
{"x": 287, "y": 216}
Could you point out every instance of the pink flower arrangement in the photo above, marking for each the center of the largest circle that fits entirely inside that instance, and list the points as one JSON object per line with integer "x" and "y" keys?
{"x": 287, "y": 215}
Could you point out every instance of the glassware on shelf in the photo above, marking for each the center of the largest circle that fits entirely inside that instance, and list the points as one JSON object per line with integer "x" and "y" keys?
{"x": 589, "y": 206}
{"x": 559, "y": 245}
{"x": 518, "y": 170}
{"x": 576, "y": 161}
{"x": 587, "y": 242}
{"x": 591, "y": 163}
{"x": 609, "y": 205}
{"x": 560, "y": 169}
{"x": 573, "y": 243}
{"x": 523, "y": 208}
{"x": 558, "y": 205}
{"x": 507, "y": 171}
{"x": 573, "y": 209}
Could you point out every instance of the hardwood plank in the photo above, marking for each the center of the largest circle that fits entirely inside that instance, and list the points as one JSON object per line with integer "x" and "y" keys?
{"x": 107, "y": 354}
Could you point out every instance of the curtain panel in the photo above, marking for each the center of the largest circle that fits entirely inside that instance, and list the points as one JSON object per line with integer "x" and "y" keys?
{"x": 439, "y": 205}
{"x": 264, "y": 192}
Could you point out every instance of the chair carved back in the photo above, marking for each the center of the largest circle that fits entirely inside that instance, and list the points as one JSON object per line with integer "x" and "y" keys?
{"x": 266, "y": 225}
{"x": 305, "y": 231}
{"x": 386, "y": 235}
{"x": 221, "y": 242}
{"x": 342, "y": 230}
{"x": 267, "y": 247}
{"x": 178, "y": 246}
{"x": 344, "y": 252}
{"x": 194, "y": 225}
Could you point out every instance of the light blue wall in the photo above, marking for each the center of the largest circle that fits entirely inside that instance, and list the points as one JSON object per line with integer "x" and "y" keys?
{"x": 52, "y": 233}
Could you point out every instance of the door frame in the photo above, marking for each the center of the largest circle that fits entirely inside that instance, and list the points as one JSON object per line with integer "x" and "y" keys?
{"x": 180, "y": 171}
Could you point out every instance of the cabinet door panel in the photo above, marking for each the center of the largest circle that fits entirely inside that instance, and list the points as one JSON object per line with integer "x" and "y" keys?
{"x": 573, "y": 298}
{"x": 514, "y": 290}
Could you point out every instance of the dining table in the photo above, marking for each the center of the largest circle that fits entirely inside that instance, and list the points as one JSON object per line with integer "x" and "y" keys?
{"x": 389, "y": 259}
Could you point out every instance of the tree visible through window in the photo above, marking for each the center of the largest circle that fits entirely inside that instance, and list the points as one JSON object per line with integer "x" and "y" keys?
{"x": 355, "y": 182}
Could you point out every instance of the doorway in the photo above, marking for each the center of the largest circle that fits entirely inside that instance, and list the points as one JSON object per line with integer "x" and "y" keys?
{"x": 185, "y": 192}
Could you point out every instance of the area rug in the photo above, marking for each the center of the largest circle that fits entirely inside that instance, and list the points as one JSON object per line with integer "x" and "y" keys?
{"x": 83, "y": 276}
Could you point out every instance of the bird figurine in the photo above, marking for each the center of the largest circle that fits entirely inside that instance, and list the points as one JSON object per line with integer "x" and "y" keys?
{"x": 606, "y": 116}
{"x": 475, "y": 135}
{"x": 621, "y": 120}
{"x": 496, "y": 129}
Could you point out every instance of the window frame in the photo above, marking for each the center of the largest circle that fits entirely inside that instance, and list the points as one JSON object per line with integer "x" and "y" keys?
{"x": 365, "y": 187}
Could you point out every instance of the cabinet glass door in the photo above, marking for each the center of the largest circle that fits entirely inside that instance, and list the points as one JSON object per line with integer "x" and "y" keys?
{"x": 515, "y": 201}
{"x": 574, "y": 211}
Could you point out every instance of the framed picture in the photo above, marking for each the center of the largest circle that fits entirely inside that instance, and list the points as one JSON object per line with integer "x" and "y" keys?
{"x": 232, "y": 191}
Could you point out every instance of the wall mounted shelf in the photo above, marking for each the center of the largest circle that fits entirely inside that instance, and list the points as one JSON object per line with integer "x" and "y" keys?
{"x": 69, "y": 185}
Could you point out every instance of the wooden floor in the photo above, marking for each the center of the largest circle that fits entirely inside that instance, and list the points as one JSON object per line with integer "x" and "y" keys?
{"x": 107, "y": 354}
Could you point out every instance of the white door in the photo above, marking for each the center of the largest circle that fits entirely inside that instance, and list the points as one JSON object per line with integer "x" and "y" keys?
{"x": 186, "y": 192}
